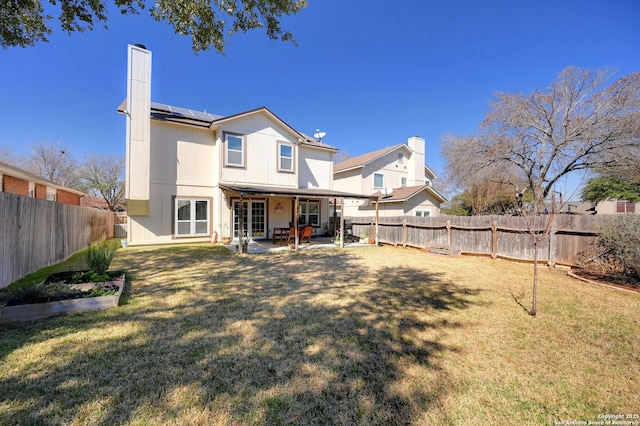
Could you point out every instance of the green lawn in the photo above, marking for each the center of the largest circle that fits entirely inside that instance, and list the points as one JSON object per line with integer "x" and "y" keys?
{"x": 360, "y": 336}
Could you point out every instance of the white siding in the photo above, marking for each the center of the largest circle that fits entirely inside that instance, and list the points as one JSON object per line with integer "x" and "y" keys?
{"x": 137, "y": 123}
{"x": 350, "y": 181}
{"x": 315, "y": 168}
{"x": 183, "y": 163}
{"x": 261, "y": 145}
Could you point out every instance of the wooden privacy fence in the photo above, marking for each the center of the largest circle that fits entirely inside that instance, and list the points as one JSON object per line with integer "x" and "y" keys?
{"x": 509, "y": 237}
{"x": 37, "y": 233}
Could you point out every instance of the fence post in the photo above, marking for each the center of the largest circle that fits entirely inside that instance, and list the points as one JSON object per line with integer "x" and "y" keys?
{"x": 404, "y": 233}
{"x": 449, "y": 232}
{"x": 553, "y": 242}
{"x": 494, "y": 240}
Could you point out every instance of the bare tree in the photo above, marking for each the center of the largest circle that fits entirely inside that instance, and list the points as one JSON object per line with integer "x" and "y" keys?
{"x": 579, "y": 123}
{"x": 7, "y": 156}
{"x": 487, "y": 190}
{"x": 103, "y": 176}
{"x": 52, "y": 161}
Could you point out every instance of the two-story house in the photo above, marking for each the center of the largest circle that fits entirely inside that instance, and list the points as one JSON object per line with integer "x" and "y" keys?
{"x": 196, "y": 176}
{"x": 396, "y": 175}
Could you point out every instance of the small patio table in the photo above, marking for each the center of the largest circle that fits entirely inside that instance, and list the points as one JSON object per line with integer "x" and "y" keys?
{"x": 280, "y": 233}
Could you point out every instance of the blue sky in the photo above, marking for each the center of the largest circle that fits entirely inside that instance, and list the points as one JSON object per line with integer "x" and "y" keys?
{"x": 369, "y": 73}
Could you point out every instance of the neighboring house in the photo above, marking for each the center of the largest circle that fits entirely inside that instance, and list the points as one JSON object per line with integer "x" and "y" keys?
{"x": 21, "y": 182}
{"x": 196, "y": 176}
{"x": 616, "y": 207}
{"x": 400, "y": 168}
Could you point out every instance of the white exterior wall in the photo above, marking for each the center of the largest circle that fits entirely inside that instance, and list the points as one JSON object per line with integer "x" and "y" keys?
{"x": 315, "y": 168}
{"x": 421, "y": 201}
{"x": 391, "y": 169}
{"x": 349, "y": 181}
{"x": 183, "y": 163}
{"x": 261, "y": 146}
{"x": 137, "y": 123}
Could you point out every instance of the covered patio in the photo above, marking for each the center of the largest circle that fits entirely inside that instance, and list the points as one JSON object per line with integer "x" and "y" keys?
{"x": 242, "y": 193}
{"x": 317, "y": 243}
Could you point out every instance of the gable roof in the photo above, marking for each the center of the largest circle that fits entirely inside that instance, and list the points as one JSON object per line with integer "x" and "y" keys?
{"x": 203, "y": 119}
{"x": 364, "y": 159}
{"x": 302, "y": 138}
{"x": 400, "y": 195}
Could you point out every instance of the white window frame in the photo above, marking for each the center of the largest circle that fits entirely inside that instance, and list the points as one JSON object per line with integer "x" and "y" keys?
{"x": 403, "y": 181}
{"x": 51, "y": 196}
{"x": 192, "y": 220}
{"x": 227, "y": 150}
{"x": 281, "y": 157}
{"x": 304, "y": 212}
{"x": 374, "y": 180}
{"x": 422, "y": 213}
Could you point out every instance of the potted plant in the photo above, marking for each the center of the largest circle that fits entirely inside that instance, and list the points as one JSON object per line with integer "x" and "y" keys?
{"x": 364, "y": 236}
{"x": 325, "y": 229}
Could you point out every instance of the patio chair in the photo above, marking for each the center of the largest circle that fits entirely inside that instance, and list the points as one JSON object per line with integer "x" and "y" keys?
{"x": 291, "y": 237}
{"x": 306, "y": 233}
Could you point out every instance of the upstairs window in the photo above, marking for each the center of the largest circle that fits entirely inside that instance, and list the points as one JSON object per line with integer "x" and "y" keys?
{"x": 285, "y": 157}
{"x": 234, "y": 150}
{"x": 378, "y": 180}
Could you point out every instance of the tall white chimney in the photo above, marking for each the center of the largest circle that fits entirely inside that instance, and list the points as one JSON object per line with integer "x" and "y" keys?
{"x": 138, "y": 151}
{"x": 416, "y": 164}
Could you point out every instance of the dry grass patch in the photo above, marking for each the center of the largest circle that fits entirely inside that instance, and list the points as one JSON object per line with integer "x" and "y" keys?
{"x": 367, "y": 336}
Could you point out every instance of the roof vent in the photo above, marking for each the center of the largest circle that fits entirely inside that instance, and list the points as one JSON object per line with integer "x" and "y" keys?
{"x": 141, "y": 46}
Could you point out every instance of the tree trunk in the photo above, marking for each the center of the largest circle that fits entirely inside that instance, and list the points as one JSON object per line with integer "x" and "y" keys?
{"x": 534, "y": 302}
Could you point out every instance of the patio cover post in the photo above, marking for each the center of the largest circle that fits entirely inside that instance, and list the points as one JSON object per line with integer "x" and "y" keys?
{"x": 335, "y": 216}
{"x": 240, "y": 225}
{"x": 341, "y": 222}
{"x": 296, "y": 219}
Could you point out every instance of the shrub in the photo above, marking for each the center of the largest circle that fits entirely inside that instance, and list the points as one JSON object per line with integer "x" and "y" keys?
{"x": 620, "y": 236}
{"x": 39, "y": 293}
{"x": 99, "y": 257}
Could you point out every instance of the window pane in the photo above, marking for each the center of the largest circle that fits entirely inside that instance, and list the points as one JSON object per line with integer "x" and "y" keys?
{"x": 313, "y": 219}
{"x": 378, "y": 180}
{"x": 201, "y": 210}
{"x": 201, "y": 227}
{"x": 234, "y": 142}
{"x": 286, "y": 164}
{"x": 314, "y": 207}
{"x": 184, "y": 228}
{"x": 234, "y": 157}
{"x": 184, "y": 210}
{"x": 286, "y": 151}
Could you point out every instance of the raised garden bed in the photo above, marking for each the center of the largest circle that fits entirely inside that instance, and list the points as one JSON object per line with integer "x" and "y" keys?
{"x": 36, "y": 311}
